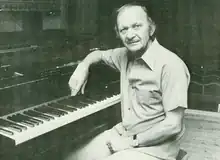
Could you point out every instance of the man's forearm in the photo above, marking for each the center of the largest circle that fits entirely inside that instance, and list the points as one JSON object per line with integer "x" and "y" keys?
{"x": 157, "y": 134}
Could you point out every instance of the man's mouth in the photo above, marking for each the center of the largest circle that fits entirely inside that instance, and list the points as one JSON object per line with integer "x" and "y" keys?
{"x": 133, "y": 43}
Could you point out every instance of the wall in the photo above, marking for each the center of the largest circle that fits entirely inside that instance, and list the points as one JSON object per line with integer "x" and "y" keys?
{"x": 198, "y": 41}
{"x": 198, "y": 29}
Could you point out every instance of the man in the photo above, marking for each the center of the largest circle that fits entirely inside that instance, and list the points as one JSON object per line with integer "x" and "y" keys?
{"x": 154, "y": 85}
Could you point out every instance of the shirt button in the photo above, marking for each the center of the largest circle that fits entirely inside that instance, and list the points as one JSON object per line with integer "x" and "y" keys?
{"x": 129, "y": 109}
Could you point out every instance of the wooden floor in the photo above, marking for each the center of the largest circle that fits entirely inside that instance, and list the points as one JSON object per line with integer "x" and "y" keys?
{"x": 202, "y": 137}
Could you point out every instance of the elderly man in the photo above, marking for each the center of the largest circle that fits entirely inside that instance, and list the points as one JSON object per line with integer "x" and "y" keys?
{"x": 154, "y": 86}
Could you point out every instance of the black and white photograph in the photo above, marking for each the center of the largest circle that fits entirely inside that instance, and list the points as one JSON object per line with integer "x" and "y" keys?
{"x": 109, "y": 80}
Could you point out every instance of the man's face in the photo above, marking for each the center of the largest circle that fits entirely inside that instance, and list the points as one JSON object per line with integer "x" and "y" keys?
{"x": 134, "y": 29}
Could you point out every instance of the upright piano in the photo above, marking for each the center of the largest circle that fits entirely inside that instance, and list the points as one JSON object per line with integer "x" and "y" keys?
{"x": 38, "y": 117}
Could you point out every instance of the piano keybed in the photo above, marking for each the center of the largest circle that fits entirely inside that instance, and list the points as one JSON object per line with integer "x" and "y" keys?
{"x": 32, "y": 122}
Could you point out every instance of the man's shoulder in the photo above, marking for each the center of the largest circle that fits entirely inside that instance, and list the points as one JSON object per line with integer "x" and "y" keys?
{"x": 170, "y": 58}
{"x": 120, "y": 50}
{"x": 119, "y": 53}
{"x": 171, "y": 62}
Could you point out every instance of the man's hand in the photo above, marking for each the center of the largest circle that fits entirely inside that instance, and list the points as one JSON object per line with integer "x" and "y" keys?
{"x": 79, "y": 78}
{"x": 119, "y": 143}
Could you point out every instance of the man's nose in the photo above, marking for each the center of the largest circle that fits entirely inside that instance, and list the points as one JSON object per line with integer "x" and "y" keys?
{"x": 130, "y": 34}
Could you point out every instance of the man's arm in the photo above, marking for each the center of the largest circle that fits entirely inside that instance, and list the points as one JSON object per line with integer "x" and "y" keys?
{"x": 79, "y": 78}
{"x": 174, "y": 81}
{"x": 111, "y": 57}
{"x": 92, "y": 58}
{"x": 169, "y": 127}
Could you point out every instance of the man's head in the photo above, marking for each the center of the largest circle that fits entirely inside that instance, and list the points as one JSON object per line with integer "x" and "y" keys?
{"x": 135, "y": 27}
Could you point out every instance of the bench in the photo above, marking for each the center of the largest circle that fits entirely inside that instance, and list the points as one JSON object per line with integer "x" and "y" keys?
{"x": 201, "y": 140}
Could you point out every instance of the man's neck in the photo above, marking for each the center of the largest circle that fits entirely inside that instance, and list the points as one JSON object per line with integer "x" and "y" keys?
{"x": 136, "y": 55}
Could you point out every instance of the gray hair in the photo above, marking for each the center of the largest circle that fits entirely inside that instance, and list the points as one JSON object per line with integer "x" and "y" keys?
{"x": 129, "y": 5}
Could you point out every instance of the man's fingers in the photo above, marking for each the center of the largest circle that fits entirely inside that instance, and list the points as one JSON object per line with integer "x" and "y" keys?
{"x": 75, "y": 86}
{"x": 74, "y": 92}
{"x": 83, "y": 87}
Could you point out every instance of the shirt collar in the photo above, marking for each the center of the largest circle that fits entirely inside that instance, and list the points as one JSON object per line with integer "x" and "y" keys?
{"x": 149, "y": 55}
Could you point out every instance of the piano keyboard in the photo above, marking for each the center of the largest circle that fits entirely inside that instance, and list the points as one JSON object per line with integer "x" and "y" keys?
{"x": 32, "y": 122}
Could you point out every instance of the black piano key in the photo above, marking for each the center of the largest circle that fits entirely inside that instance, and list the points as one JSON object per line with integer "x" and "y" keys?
{"x": 36, "y": 121}
{"x": 57, "y": 110}
{"x": 74, "y": 99}
{"x": 48, "y": 116}
{"x": 22, "y": 121}
{"x": 11, "y": 127}
{"x": 72, "y": 102}
{"x": 64, "y": 103}
{"x": 15, "y": 128}
{"x": 6, "y": 123}
{"x": 38, "y": 115}
{"x": 77, "y": 104}
{"x": 95, "y": 97}
{"x": 87, "y": 102}
{"x": 54, "y": 110}
{"x": 5, "y": 131}
{"x": 63, "y": 107}
{"x": 47, "y": 110}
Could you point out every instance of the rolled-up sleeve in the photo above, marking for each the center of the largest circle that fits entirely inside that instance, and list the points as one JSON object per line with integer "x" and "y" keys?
{"x": 175, "y": 82}
{"x": 113, "y": 57}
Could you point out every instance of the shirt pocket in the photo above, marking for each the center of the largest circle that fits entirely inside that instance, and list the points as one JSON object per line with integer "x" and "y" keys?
{"x": 148, "y": 97}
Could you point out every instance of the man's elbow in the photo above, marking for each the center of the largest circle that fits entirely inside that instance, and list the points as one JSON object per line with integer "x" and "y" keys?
{"x": 174, "y": 120}
{"x": 173, "y": 127}
{"x": 176, "y": 129}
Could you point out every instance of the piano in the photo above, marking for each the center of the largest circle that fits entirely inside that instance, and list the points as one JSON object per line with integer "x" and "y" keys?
{"x": 29, "y": 123}
{"x": 38, "y": 117}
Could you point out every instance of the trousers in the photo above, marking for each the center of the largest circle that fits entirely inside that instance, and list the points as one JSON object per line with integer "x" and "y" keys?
{"x": 96, "y": 149}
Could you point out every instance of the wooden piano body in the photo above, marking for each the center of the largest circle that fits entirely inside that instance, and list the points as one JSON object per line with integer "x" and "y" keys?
{"x": 27, "y": 87}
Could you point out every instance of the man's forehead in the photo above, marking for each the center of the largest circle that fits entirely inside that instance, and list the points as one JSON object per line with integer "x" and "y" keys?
{"x": 132, "y": 11}
{"x": 131, "y": 14}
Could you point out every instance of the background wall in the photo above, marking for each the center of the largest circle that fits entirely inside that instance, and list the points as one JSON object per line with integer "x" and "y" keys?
{"x": 190, "y": 28}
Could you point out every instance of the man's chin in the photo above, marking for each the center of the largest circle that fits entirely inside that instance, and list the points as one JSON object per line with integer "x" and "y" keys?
{"x": 134, "y": 49}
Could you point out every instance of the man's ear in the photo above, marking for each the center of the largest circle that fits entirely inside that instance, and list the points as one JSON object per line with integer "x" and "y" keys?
{"x": 152, "y": 29}
{"x": 116, "y": 32}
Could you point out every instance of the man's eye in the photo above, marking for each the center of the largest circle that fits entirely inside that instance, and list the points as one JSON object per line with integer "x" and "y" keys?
{"x": 123, "y": 30}
{"x": 136, "y": 26}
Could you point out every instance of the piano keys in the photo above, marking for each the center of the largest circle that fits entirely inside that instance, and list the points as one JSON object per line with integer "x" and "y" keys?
{"x": 35, "y": 121}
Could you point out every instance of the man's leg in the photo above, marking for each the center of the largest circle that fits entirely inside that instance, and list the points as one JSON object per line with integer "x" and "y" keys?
{"x": 94, "y": 149}
{"x": 130, "y": 154}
